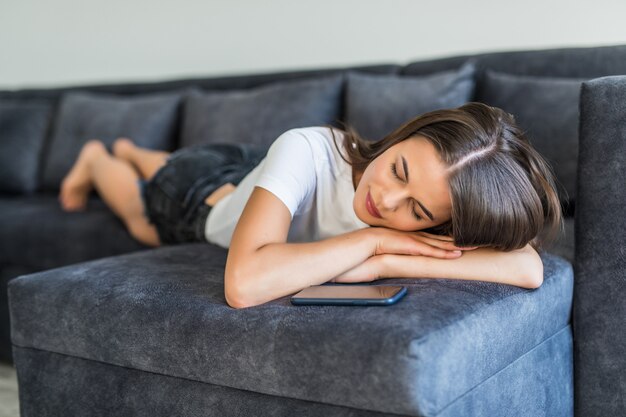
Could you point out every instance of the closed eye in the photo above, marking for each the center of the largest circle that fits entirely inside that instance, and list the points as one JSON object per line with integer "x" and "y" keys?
{"x": 395, "y": 171}
{"x": 417, "y": 216}
{"x": 395, "y": 174}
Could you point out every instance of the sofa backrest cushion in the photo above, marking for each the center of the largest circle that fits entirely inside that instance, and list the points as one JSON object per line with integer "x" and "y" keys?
{"x": 378, "y": 104}
{"x": 585, "y": 62}
{"x": 213, "y": 83}
{"x": 149, "y": 120}
{"x": 261, "y": 114}
{"x": 23, "y": 129}
{"x": 599, "y": 306}
{"x": 546, "y": 108}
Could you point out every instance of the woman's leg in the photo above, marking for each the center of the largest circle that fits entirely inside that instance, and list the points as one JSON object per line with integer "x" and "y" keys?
{"x": 76, "y": 185}
{"x": 147, "y": 161}
{"x": 116, "y": 183}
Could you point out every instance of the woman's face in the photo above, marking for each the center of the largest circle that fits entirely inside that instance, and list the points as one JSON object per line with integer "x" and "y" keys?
{"x": 421, "y": 188}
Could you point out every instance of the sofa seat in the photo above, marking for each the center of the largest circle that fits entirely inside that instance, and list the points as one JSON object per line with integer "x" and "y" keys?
{"x": 61, "y": 238}
{"x": 449, "y": 348}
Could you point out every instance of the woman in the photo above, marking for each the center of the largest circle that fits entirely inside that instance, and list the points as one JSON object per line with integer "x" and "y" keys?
{"x": 451, "y": 180}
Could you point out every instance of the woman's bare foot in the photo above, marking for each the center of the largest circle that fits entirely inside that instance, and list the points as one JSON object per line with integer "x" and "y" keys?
{"x": 77, "y": 185}
{"x": 123, "y": 148}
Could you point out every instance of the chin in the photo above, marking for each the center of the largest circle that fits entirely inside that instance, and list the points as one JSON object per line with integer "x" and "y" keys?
{"x": 356, "y": 207}
{"x": 362, "y": 219}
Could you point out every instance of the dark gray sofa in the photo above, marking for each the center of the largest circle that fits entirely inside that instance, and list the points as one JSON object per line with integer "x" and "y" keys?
{"x": 101, "y": 325}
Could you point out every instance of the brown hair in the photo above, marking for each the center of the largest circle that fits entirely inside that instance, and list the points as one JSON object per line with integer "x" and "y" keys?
{"x": 503, "y": 191}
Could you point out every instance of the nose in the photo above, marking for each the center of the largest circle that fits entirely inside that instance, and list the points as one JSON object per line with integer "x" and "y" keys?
{"x": 392, "y": 198}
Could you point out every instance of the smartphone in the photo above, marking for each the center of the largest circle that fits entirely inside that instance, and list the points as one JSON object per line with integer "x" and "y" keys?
{"x": 349, "y": 295}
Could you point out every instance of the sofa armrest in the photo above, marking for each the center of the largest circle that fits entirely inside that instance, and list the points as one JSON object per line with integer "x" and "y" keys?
{"x": 600, "y": 262}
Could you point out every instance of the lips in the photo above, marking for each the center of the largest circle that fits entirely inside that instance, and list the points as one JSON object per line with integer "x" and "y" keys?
{"x": 371, "y": 208}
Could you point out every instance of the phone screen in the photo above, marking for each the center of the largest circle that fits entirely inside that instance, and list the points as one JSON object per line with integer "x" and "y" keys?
{"x": 349, "y": 294}
{"x": 374, "y": 292}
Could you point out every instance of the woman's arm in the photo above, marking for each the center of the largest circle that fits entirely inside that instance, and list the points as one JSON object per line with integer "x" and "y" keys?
{"x": 522, "y": 267}
{"x": 261, "y": 267}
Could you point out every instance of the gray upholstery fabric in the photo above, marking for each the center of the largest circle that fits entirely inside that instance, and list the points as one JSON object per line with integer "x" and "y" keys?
{"x": 539, "y": 383}
{"x": 164, "y": 311}
{"x": 567, "y": 62}
{"x": 52, "y": 238}
{"x": 149, "y": 120}
{"x": 226, "y": 83}
{"x": 68, "y": 386}
{"x": 600, "y": 297}
{"x": 546, "y": 108}
{"x": 260, "y": 115}
{"x": 55, "y": 237}
{"x": 23, "y": 128}
{"x": 378, "y": 104}
{"x": 7, "y": 273}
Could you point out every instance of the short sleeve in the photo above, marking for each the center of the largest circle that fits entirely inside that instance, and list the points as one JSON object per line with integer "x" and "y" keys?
{"x": 289, "y": 170}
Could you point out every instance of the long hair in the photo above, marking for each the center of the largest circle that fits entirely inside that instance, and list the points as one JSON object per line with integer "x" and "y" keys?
{"x": 503, "y": 191}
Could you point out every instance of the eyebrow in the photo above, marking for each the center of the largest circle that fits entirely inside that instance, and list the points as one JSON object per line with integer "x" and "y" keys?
{"x": 406, "y": 172}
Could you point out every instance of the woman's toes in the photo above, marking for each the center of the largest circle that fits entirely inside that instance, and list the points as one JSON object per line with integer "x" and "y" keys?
{"x": 93, "y": 145}
{"x": 73, "y": 195}
{"x": 122, "y": 147}
{"x": 76, "y": 185}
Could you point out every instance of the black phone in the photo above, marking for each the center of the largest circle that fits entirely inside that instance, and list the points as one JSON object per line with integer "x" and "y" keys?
{"x": 349, "y": 295}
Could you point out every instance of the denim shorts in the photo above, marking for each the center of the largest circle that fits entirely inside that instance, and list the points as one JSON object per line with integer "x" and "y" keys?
{"x": 174, "y": 197}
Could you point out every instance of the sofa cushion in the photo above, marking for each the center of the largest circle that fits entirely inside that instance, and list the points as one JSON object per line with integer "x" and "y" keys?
{"x": 546, "y": 109}
{"x": 589, "y": 61}
{"x": 149, "y": 120}
{"x": 38, "y": 234}
{"x": 600, "y": 298}
{"x": 540, "y": 383}
{"x": 23, "y": 128}
{"x": 378, "y": 104}
{"x": 261, "y": 114}
{"x": 7, "y": 273}
{"x": 163, "y": 311}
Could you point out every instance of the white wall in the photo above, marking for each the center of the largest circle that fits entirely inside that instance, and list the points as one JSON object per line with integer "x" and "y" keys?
{"x": 61, "y": 42}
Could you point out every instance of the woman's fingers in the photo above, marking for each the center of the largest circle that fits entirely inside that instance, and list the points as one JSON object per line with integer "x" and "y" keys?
{"x": 448, "y": 241}
{"x": 443, "y": 244}
{"x": 428, "y": 250}
{"x": 411, "y": 243}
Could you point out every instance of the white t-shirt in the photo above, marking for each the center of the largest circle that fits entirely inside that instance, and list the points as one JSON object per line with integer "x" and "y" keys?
{"x": 304, "y": 170}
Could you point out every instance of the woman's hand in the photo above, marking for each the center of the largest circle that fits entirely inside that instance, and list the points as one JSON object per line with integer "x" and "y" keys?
{"x": 415, "y": 243}
{"x": 400, "y": 243}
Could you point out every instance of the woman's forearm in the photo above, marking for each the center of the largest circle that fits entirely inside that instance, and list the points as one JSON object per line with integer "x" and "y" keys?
{"x": 522, "y": 267}
{"x": 279, "y": 269}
